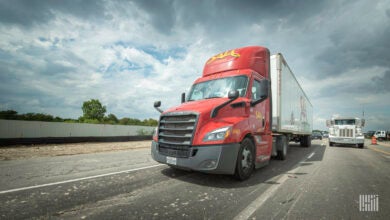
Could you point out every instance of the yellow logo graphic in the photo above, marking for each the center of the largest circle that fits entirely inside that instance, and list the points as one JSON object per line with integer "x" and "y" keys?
{"x": 237, "y": 132}
{"x": 259, "y": 116}
{"x": 231, "y": 53}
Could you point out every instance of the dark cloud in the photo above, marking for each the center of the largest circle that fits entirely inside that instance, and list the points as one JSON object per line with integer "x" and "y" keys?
{"x": 161, "y": 12}
{"x": 30, "y": 12}
{"x": 226, "y": 15}
{"x": 356, "y": 46}
{"x": 382, "y": 84}
{"x": 376, "y": 85}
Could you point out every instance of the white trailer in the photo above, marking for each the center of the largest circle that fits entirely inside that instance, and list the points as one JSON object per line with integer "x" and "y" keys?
{"x": 292, "y": 111}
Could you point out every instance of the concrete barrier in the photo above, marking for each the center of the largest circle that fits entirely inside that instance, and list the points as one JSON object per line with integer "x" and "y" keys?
{"x": 17, "y": 131}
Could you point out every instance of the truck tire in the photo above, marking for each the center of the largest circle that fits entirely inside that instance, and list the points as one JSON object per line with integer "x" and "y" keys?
{"x": 281, "y": 143}
{"x": 331, "y": 144}
{"x": 306, "y": 141}
{"x": 245, "y": 160}
{"x": 361, "y": 145}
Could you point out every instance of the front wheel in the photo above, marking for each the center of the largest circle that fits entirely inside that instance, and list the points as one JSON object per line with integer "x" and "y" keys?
{"x": 245, "y": 160}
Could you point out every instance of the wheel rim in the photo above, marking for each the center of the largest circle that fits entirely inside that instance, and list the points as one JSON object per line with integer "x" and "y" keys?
{"x": 246, "y": 161}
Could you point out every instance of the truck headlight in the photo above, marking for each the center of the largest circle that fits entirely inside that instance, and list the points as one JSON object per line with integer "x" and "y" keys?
{"x": 359, "y": 132}
{"x": 155, "y": 134}
{"x": 218, "y": 134}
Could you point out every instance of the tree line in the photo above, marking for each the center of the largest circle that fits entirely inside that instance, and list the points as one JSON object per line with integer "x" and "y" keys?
{"x": 93, "y": 112}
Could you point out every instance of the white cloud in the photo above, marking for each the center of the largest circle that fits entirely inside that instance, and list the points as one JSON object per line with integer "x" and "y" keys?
{"x": 128, "y": 57}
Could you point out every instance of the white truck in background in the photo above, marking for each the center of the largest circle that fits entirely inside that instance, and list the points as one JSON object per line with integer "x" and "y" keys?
{"x": 346, "y": 130}
{"x": 382, "y": 135}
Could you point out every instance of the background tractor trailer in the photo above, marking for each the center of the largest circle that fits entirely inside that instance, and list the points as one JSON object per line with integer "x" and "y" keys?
{"x": 244, "y": 109}
{"x": 346, "y": 130}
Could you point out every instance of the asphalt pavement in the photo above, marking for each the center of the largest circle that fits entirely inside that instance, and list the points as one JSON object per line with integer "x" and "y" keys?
{"x": 319, "y": 182}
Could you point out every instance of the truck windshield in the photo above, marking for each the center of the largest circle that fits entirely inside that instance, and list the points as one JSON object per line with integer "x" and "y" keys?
{"x": 218, "y": 88}
{"x": 345, "y": 122}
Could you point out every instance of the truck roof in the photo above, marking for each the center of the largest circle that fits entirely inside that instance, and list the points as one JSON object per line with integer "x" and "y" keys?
{"x": 252, "y": 57}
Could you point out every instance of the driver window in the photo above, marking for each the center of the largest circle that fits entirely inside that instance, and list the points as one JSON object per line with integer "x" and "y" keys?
{"x": 255, "y": 90}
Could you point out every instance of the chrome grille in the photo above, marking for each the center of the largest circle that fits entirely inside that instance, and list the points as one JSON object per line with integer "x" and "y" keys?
{"x": 175, "y": 134}
{"x": 346, "y": 133}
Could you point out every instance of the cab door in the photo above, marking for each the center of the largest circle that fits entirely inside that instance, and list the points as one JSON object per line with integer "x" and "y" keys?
{"x": 259, "y": 113}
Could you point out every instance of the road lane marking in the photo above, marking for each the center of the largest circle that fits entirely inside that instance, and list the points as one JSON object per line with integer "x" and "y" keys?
{"x": 311, "y": 155}
{"x": 78, "y": 179}
{"x": 257, "y": 203}
{"x": 381, "y": 151}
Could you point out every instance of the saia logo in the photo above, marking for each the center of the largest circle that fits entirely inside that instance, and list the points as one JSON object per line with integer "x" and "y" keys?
{"x": 231, "y": 53}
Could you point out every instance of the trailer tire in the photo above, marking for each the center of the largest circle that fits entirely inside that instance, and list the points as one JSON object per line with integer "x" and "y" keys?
{"x": 281, "y": 143}
{"x": 361, "y": 146}
{"x": 331, "y": 144}
{"x": 245, "y": 160}
{"x": 306, "y": 141}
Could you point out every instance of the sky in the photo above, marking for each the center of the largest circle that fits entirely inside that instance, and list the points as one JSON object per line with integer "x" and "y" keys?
{"x": 54, "y": 55}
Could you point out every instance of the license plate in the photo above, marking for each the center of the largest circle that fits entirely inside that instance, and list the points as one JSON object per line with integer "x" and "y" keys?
{"x": 171, "y": 160}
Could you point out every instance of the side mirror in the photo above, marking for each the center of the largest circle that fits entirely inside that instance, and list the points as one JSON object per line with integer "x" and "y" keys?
{"x": 233, "y": 94}
{"x": 156, "y": 105}
{"x": 183, "y": 97}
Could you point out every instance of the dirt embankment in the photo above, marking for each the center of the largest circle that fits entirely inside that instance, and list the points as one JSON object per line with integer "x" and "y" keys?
{"x": 48, "y": 150}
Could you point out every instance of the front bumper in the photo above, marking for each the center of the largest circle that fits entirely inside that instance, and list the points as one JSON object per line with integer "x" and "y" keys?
{"x": 346, "y": 140}
{"x": 218, "y": 159}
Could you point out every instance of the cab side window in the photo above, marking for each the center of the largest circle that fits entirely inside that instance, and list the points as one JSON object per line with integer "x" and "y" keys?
{"x": 255, "y": 90}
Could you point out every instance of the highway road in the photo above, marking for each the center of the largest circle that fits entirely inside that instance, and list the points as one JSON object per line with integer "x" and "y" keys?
{"x": 319, "y": 182}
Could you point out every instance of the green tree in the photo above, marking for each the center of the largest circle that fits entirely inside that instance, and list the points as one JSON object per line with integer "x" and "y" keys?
{"x": 111, "y": 119}
{"x": 9, "y": 114}
{"x": 150, "y": 122}
{"x": 93, "y": 109}
{"x": 124, "y": 121}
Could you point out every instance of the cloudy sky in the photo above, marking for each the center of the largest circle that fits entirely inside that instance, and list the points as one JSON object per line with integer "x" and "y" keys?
{"x": 54, "y": 55}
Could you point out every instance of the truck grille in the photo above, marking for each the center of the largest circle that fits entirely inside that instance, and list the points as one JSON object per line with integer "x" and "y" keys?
{"x": 346, "y": 132}
{"x": 175, "y": 134}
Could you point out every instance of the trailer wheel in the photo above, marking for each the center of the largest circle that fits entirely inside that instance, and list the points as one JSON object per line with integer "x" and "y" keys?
{"x": 361, "y": 145}
{"x": 331, "y": 144}
{"x": 245, "y": 160}
{"x": 306, "y": 141}
{"x": 281, "y": 143}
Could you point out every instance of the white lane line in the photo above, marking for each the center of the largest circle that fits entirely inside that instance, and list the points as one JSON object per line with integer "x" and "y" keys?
{"x": 78, "y": 179}
{"x": 257, "y": 203}
{"x": 311, "y": 155}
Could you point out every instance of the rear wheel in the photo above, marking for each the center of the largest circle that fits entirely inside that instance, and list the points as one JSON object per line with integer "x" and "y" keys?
{"x": 361, "y": 145}
{"x": 331, "y": 144}
{"x": 306, "y": 141}
{"x": 246, "y": 160}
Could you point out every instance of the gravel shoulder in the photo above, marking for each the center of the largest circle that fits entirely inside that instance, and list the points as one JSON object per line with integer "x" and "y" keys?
{"x": 51, "y": 150}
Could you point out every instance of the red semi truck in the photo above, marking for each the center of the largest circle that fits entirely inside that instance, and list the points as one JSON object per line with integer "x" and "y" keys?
{"x": 244, "y": 109}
